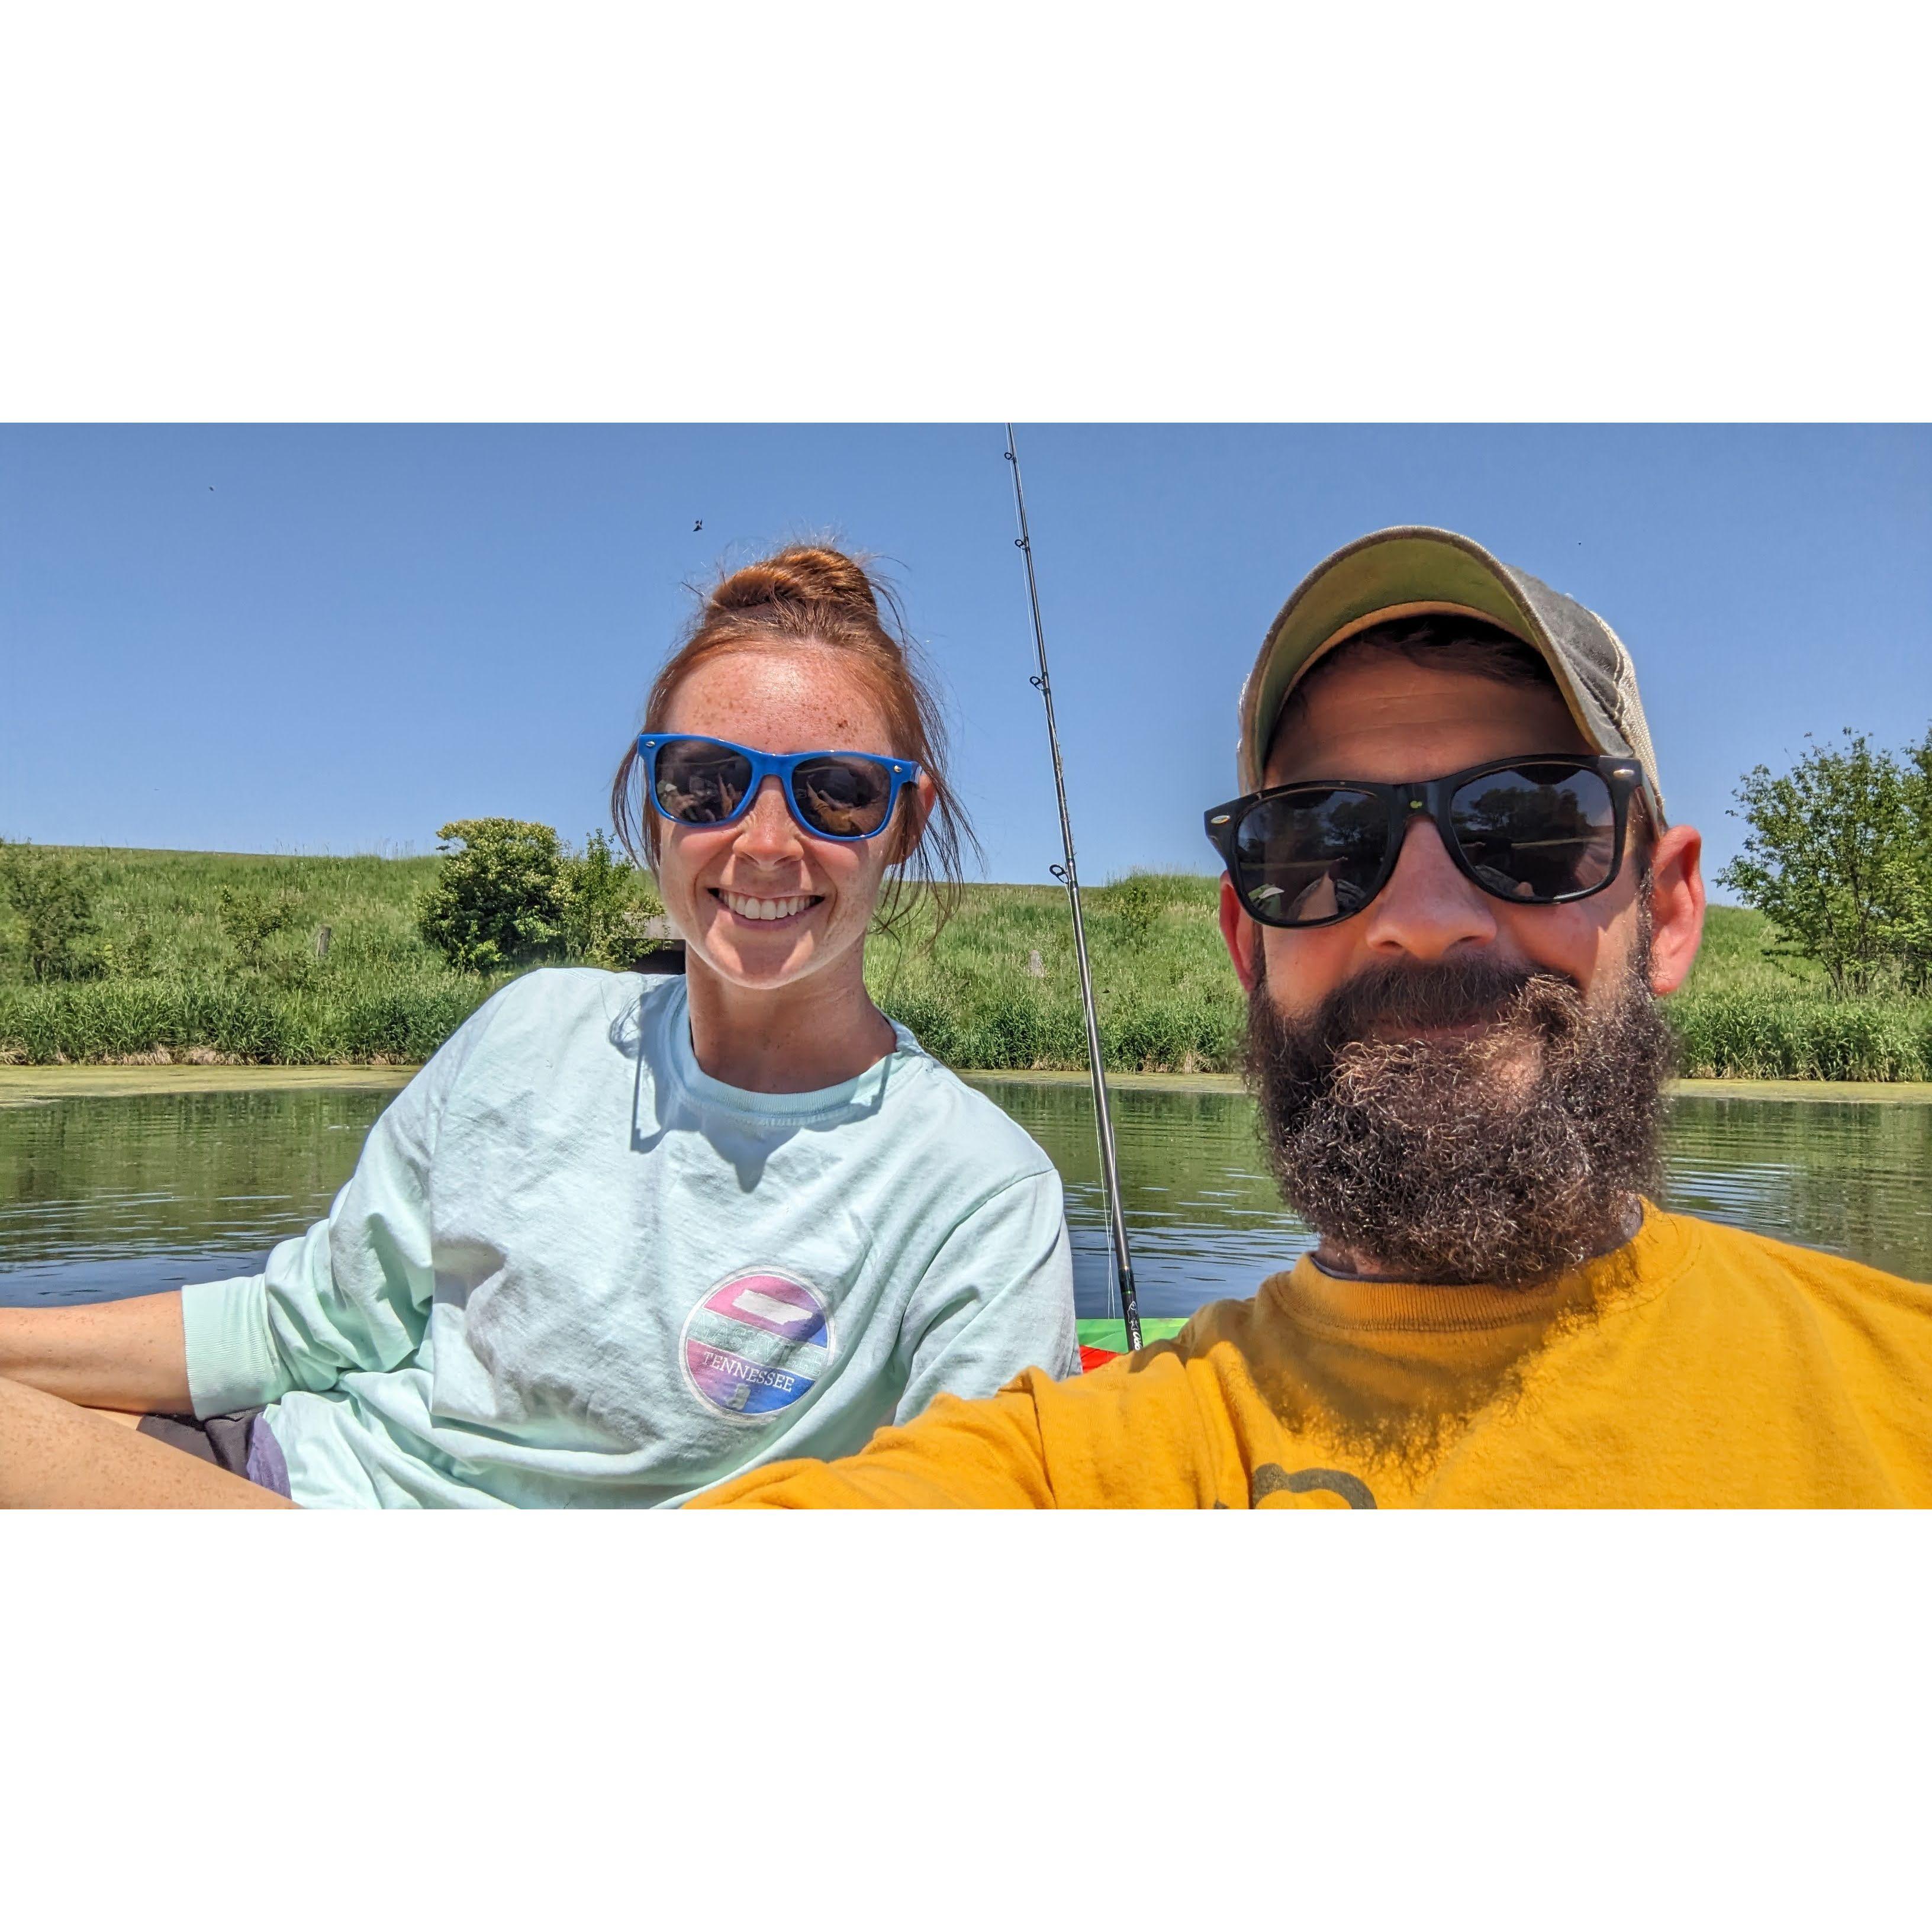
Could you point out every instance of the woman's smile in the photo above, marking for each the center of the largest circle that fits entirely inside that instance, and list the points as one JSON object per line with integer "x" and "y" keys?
{"x": 758, "y": 910}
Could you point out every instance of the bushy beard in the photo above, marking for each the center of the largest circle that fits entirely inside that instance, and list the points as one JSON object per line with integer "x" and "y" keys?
{"x": 1506, "y": 1155}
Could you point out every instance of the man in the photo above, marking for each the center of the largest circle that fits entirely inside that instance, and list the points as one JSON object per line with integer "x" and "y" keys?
{"x": 1454, "y": 897}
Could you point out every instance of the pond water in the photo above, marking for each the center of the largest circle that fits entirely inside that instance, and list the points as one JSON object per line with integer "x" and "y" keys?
{"x": 1204, "y": 1219}
{"x": 101, "y": 1197}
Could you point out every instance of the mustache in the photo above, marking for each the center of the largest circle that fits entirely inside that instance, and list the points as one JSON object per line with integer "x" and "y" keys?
{"x": 1389, "y": 1001}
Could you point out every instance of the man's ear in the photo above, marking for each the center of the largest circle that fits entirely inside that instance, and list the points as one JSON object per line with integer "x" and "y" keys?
{"x": 1239, "y": 933}
{"x": 1676, "y": 906}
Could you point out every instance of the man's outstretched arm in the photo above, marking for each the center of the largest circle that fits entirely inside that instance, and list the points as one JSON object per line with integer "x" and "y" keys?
{"x": 1129, "y": 1436}
{"x": 958, "y": 1455}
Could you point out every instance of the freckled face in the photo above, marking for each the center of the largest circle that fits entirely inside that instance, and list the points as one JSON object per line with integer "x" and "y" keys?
{"x": 1392, "y": 721}
{"x": 763, "y": 902}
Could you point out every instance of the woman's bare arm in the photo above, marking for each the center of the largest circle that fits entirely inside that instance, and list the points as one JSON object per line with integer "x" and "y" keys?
{"x": 110, "y": 1354}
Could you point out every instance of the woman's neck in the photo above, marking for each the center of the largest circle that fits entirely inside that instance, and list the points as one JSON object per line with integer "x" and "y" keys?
{"x": 818, "y": 1032}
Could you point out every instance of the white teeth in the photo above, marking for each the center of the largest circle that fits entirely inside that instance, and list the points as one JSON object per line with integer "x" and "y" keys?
{"x": 764, "y": 909}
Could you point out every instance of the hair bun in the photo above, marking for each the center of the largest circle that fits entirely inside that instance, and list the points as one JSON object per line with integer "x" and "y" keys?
{"x": 803, "y": 574}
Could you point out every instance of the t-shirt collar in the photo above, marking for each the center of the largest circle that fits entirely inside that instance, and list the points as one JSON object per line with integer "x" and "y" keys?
{"x": 1641, "y": 1267}
{"x": 863, "y": 1093}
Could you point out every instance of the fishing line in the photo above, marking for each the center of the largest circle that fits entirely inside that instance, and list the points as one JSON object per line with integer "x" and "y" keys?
{"x": 1069, "y": 876}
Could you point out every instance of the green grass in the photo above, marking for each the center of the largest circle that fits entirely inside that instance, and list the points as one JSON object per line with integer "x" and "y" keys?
{"x": 1751, "y": 1010}
{"x": 176, "y": 989}
{"x": 1168, "y": 1002}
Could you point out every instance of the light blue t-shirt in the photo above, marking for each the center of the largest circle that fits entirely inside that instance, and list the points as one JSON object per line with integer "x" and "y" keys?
{"x": 571, "y": 1268}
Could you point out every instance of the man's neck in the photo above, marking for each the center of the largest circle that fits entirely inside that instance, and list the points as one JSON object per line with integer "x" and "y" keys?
{"x": 1347, "y": 1264}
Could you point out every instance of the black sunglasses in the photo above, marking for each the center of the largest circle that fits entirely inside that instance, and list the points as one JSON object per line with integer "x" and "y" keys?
{"x": 1536, "y": 831}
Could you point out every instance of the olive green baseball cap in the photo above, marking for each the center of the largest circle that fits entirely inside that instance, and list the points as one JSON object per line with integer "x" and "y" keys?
{"x": 1414, "y": 571}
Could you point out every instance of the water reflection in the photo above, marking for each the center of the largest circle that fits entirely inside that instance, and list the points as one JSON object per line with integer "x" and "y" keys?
{"x": 1853, "y": 1178}
{"x": 1204, "y": 1221}
{"x": 103, "y": 1197}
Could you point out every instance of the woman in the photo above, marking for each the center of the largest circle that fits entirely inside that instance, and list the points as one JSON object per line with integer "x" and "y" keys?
{"x": 625, "y": 1236}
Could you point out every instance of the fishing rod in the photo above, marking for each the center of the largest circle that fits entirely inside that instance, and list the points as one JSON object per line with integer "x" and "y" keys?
{"x": 1069, "y": 876}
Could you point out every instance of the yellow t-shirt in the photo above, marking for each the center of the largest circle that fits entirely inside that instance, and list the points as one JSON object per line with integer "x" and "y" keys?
{"x": 1696, "y": 1365}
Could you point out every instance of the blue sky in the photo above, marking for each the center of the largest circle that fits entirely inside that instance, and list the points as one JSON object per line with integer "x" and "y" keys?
{"x": 359, "y": 633}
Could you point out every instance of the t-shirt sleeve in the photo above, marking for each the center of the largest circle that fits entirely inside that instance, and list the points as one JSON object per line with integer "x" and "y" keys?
{"x": 355, "y": 1291}
{"x": 1132, "y": 1435}
{"x": 997, "y": 1298}
{"x": 958, "y": 1455}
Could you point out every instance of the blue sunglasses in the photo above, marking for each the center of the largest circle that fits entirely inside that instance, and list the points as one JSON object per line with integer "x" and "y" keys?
{"x": 843, "y": 795}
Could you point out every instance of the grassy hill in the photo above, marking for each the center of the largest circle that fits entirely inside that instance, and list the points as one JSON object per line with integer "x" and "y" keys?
{"x": 348, "y": 979}
{"x": 176, "y": 986}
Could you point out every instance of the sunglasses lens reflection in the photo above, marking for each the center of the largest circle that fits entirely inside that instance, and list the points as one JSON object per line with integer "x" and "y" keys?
{"x": 699, "y": 781}
{"x": 1309, "y": 855}
{"x": 843, "y": 797}
{"x": 1537, "y": 832}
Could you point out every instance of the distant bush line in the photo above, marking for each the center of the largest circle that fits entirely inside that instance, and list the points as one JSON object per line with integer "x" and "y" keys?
{"x": 188, "y": 956}
{"x": 1735, "y": 1036}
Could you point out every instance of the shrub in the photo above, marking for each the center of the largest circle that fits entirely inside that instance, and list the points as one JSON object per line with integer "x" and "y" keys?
{"x": 1134, "y": 906}
{"x": 53, "y": 900}
{"x": 128, "y": 954}
{"x": 250, "y": 919}
{"x": 500, "y": 899}
{"x": 607, "y": 906}
{"x": 510, "y": 893}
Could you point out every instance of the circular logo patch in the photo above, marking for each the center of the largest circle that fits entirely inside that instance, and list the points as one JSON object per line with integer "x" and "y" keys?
{"x": 756, "y": 1344}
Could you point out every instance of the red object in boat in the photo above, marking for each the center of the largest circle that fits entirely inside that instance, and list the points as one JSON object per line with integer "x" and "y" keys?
{"x": 1091, "y": 1359}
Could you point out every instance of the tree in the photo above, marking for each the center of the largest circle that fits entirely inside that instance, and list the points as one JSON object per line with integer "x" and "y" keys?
{"x": 53, "y": 900}
{"x": 1833, "y": 857}
{"x": 499, "y": 898}
{"x": 1914, "y": 891}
